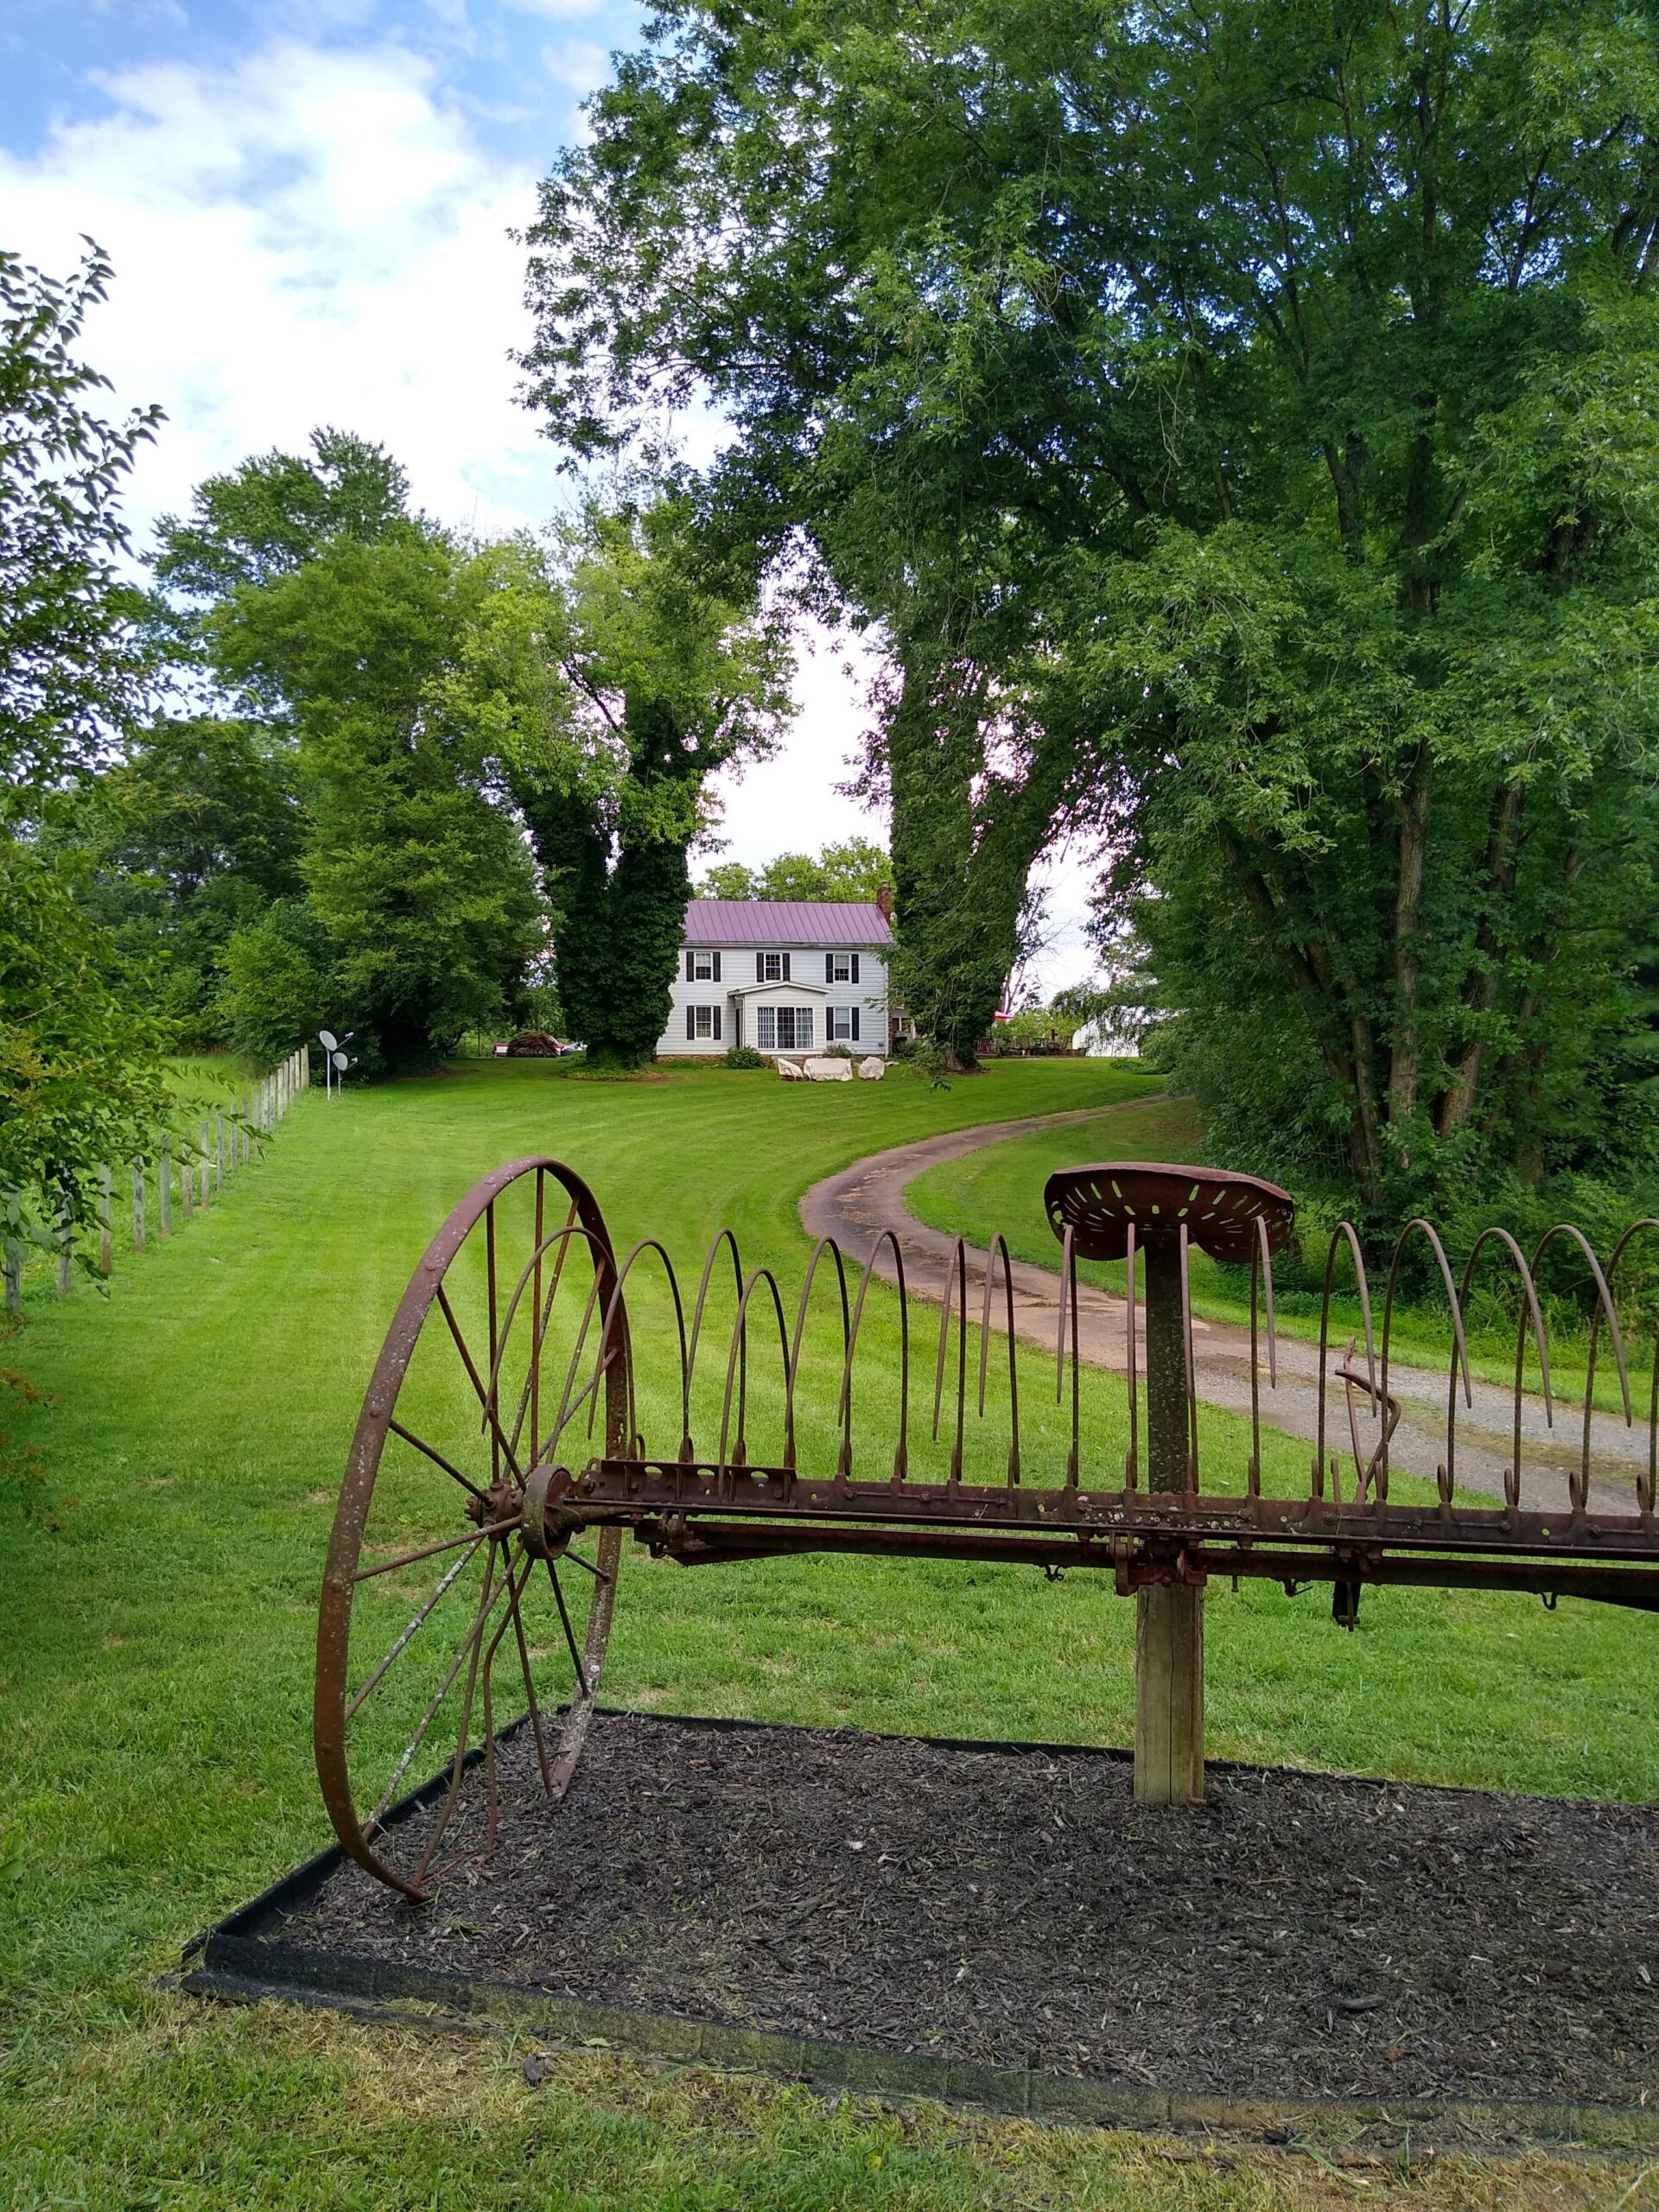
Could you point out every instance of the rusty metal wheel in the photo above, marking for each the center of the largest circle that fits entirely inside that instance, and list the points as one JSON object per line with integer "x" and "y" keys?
{"x": 450, "y": 1593}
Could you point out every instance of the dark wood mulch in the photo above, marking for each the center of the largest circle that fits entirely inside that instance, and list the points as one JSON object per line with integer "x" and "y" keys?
{"x": 1300, "y": 1934}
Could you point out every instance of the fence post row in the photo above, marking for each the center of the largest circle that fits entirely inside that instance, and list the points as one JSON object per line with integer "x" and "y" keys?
{"x": 224, "y": 1142}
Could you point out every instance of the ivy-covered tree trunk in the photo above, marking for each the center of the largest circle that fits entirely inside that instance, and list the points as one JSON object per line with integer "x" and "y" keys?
{"x": 619, "y": 893}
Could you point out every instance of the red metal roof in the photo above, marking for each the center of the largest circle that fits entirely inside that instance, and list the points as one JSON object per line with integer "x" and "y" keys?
{"x": 811, "y": 922}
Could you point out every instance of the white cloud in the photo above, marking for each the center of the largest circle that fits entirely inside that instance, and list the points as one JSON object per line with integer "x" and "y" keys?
{"x": 577, "y": 64}
{"x": 308, "y": 236}
{"x": 557, "y": 11}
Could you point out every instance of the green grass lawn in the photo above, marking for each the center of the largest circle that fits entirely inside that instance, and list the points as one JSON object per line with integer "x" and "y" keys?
{"x": 156, "y": 1657}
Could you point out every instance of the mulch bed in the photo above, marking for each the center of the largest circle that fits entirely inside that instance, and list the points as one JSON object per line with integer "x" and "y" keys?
{"x": 1300, "y": 1934}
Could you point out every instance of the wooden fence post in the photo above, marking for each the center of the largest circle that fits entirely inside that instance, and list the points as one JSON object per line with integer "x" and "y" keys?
{"x": 204, "y": 1161}
{"x": 14, "y": 1280}
{"x": 164, "y": 1186}
{"x": 187, "y": 1184}
{"x": 218, "y": 1157}
{"x": 66, "y": 1258}
{"x": 105, "y": 1224}
{"x": 138, "y": 1205}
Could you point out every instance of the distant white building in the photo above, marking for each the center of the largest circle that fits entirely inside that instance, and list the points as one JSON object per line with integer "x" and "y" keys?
{"x": 782, "y": 975}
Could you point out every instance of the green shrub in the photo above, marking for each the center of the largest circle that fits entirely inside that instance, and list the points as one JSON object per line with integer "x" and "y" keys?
{"x": 743, "y": 1056}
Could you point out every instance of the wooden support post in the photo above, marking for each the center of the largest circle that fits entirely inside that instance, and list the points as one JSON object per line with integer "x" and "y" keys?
{"x": 219, "y": 1152}
{"x": 14, "y": 1280}
{"x": 65, "y": 1254}
{"x": 204, "y": 1161}
{"x": 164, "y": 1186}
{"x": 105, "y": 1224}
{"x": 138, "y": 1205}
{"x": 1169, "y": 1622}
{"x": 187, "y": 1185}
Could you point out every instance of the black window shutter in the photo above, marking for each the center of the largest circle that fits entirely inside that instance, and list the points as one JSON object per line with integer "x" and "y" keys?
{"x": 855, "y": 1025}
{"x": 717, "y": 1025}
{"x": 690, "y": 965}
{"x": 786, "y": 968}
{"x": 690, "y": 1022}
{"x": 855, "y": 967}
{"x": 829, "y": 967}
{"x": 760, "y": 967}
{"x": 717, "y": 978}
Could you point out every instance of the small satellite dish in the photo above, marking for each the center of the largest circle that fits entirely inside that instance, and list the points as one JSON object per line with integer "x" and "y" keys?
{"x": 326, "y": 1039}
{"x": 341, "y": 1060}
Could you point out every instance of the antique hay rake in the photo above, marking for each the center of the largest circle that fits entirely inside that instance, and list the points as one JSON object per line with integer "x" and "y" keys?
{"x": 478, "y": 1540}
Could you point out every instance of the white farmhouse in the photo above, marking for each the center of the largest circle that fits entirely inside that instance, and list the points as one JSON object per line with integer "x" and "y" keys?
{"x": 782, "y": 975}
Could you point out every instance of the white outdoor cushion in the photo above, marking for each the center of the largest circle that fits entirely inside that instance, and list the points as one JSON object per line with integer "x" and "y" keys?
{"x": 829, "y": 1070}
{"x": 872, "y": 1069}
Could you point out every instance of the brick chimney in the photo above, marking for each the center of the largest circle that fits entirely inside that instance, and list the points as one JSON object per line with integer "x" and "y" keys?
{"x": 884, "y": 902}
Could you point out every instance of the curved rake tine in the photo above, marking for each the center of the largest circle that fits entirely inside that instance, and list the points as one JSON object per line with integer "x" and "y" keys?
{"x": 1253, "y": 1472}
{"x": 496, "y": 1439}
{"x": 1459, "y": 1351}
{"x": 1267, "y": 1278}
{"x": 560, "y": 1238}
{"x": 1068, "y": 1299}
{"x": 999, "y": 1244}
{"x": 1343, "y": 1229}
{"x": 1192, "y": 1375}
{"x": 825, "y": 1244}
{"x": 739, "y": 1337}
{"x": 616, "y": 1309}
{"x": 956, "y": 1283}
{"x": 1132, "y": 1464}
{"x": 1579, "y": 1490}
{"x": 721, "y": 1237}
{"x": 1645, "y": 1486}
{"x": 901, "y": 1456}
{"x": 1512, "y": 1479}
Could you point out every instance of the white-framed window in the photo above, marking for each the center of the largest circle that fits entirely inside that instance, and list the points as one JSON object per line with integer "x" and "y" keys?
{"x": 841, "y": 967}
{"x": 772, "y": 967}
{"x": 783, "y": 1028}
{"x": 701, "y": 967}
{"x": 702, "y": 1022}
{"x": 841, "y": 1021}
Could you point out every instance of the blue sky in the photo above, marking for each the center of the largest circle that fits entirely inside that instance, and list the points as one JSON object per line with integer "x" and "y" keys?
{"x": 307, "y": 204}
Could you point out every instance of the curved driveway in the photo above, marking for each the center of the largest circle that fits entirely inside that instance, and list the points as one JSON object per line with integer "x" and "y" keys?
{"x": 861, "y": 1202}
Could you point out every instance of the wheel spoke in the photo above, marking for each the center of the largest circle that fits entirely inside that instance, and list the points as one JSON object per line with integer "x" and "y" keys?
{"x": 408, "y": 1636}
{"x": 470, "y": 1645}
{"x": 431, "y": 1551}
{"x": 564, "y": 1622}
{"x": 483, "y": 1395}
{"x": 458, "y": 1765}
{"x": 587, "y": 1567}
{"x": 530, "y": 1687}
{"x": 436, "y": 1458}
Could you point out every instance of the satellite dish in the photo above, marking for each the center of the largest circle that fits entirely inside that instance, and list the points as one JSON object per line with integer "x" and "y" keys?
{"x": 341, "y": 1061}
{"x": 326, "y": 1039}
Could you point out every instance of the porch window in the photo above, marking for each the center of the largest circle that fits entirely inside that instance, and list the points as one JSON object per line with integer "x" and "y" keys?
{"x": 783, "y": 1028}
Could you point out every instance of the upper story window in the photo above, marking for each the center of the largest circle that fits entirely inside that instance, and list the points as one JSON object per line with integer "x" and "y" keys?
{"x": 841, "y": 967}
{"x": 701, "y": 967}
{"x": 772, "y": 967}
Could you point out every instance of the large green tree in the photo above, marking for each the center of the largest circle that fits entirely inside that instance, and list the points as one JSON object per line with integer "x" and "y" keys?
{"x": 668, "y": 675}
{"x": 855, "y": 869}
{"x": 351, "y": 629}
{"x": 81, "y": 1081}
{"x": 1245, "y": 423}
